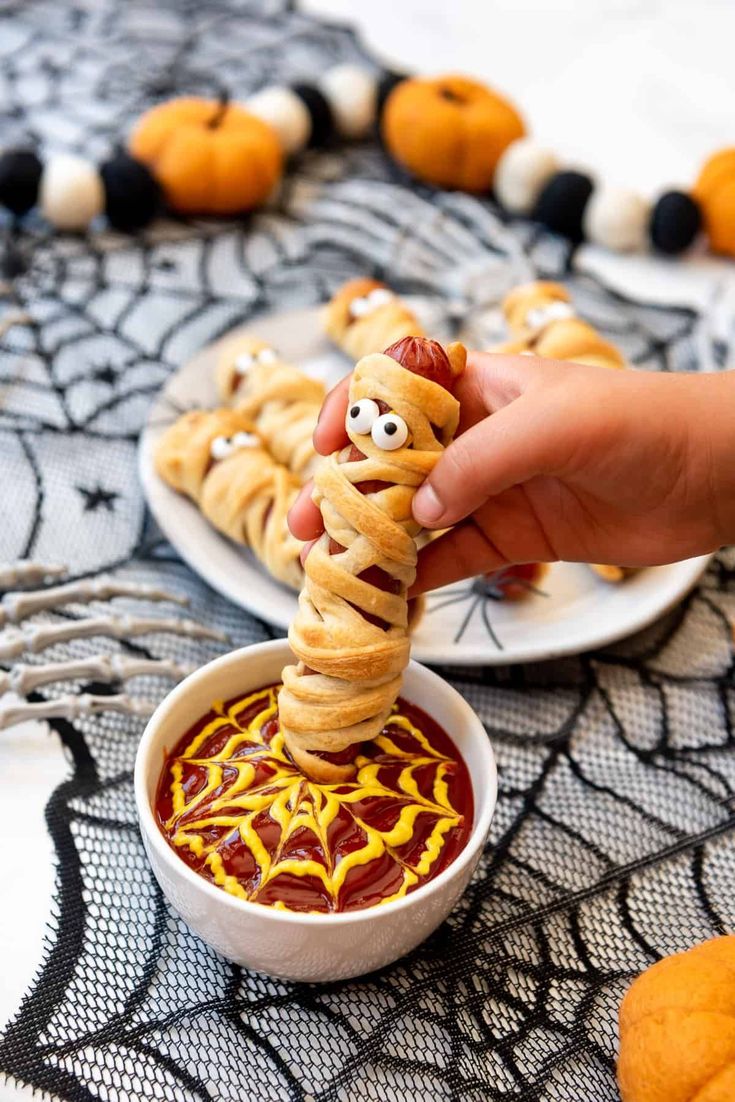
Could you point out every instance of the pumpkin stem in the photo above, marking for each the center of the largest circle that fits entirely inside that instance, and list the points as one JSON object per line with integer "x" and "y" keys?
{"x": 222, "y": 104}
{"x": 451, "y": 95}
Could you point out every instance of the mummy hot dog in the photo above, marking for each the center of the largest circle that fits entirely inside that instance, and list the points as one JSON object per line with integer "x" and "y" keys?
{"x": 215, "y": 459}
{"x": 542, "y": 322}
{"x": 350, "y": 635}
{"x": 281, "y": 402}
{"x": 365, "y": 316}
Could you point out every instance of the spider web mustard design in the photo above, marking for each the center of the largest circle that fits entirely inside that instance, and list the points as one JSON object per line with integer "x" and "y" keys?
{"x": 251, "y": 775}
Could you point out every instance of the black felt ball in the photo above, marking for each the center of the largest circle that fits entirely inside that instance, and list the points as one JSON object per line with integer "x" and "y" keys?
{"x": 675, "y": 222}
{"x": 132, "y": 196}
{"x": 20, "y": 175}
{"x": 320, "y": 113}
{"x": 560, "y": 206}
{"x": 386, "y": 84}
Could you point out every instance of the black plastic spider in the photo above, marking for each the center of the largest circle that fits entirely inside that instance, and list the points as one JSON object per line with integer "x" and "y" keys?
{"x": 496, "y": 586}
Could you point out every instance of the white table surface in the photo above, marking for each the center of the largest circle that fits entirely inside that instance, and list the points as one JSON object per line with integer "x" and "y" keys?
{"x": 638, "y": 91}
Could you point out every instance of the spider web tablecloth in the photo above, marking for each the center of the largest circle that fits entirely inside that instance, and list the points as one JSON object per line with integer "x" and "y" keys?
{"x": 612, "y": 842}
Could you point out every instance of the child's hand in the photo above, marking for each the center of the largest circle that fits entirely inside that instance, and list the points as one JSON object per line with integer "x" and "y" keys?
{"x": 563, "y": 461}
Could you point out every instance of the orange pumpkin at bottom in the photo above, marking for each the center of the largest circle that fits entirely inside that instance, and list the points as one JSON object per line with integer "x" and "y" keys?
{"x": 677, "y": 1028}
{"x": 209, "y": 157}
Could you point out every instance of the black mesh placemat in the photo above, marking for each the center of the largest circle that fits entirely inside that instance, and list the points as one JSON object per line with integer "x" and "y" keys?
{"x": 612, "y": 840}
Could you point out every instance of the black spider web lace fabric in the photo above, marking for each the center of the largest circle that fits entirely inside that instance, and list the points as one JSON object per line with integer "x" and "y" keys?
{"x": 612, "y": 842}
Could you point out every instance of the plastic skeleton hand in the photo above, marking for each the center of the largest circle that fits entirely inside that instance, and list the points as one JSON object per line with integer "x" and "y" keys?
{"x": 23, "y": 637}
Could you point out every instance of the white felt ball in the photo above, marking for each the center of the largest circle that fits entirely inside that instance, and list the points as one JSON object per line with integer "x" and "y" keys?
{"x": 351, "y": 92}
{"x": 71, "y": 192}
{"x": 286, "y": 113}
{"x": 521, "y": 174}
{"x": 616, "y": 218}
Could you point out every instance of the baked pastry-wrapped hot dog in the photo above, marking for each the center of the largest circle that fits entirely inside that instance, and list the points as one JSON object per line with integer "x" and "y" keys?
{"x": 542, "y": 322}
{"x": 365, "y": 316}
{"x": 215, "y": 459}
{"x": 282, "y": 402}
{"x": 350, "y": 634}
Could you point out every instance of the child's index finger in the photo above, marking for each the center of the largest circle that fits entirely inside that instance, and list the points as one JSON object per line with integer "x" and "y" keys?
{"x": 330, "y": 434}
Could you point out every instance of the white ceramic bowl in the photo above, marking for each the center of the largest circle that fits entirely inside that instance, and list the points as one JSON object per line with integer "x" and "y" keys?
{"x": 310, "y": 947}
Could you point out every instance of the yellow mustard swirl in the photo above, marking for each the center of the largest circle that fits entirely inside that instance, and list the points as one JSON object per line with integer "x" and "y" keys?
{"x": 293, "y": 802}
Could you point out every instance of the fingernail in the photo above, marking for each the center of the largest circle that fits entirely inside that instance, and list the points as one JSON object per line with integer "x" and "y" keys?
{"x": 304, "y": 552}
{"x": 427, "y": 508}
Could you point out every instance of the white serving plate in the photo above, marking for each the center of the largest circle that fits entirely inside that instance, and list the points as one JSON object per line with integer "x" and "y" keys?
{"x": 462, "y": 624}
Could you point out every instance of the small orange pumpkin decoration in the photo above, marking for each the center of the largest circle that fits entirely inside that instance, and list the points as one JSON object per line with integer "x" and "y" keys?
{"x": 677, "y": 1028}
{"x": 449, "y": 131}
{"x": 715, "y": 193}
{"x": 209, "y": 157}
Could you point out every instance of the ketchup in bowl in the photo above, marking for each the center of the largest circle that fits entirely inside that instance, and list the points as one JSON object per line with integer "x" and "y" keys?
{"x": 235, "y": 808}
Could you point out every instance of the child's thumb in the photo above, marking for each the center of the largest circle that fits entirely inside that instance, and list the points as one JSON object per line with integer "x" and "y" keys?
{"x": 502, "y": 451}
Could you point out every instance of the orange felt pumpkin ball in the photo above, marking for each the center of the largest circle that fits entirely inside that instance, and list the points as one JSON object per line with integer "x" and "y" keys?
{"x": 715, "y": 193}
{"x": 449, "y": 131}
{"x": 677, "y": 1028}
{"x": 209, "y": 157}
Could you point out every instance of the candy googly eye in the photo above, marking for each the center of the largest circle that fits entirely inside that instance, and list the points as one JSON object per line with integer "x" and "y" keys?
{"x": 359, "y": 307}
{"x": 389, "y": 432}
{"x": 379, "y": 296}
{"x": 373, "y": 300}
{"x": 244, "y": 363}
{"x": 221, "y": 447}
{"x": 542, "y": 316}
{"x": 362, "y": 415}
{"x": 245, "y": 440}
{"x": 267, "y": 356}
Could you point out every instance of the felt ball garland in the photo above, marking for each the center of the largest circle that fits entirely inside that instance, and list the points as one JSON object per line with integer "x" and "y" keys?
{"x": 351, "y": 93}
{"x": 527, "y": 179}
{"x": 132, "y": 195}
{"x": 286, "y": 111}
{"x": 321, "y": 120}
{"x": 561, "y": 205}
{"x": 424, "y": 124}
{"x": 20, "y": 176}
{"x": 71, "y": 193}
{"x": 676, "y": 219}
{"x": 521, "y": 175}
{"x": 616, "y": 218}
{"x": 528, "y": 182}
